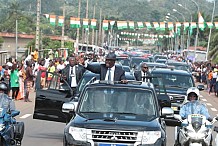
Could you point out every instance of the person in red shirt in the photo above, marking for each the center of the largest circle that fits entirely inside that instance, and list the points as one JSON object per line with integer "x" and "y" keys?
{"x": 43, "y": 74}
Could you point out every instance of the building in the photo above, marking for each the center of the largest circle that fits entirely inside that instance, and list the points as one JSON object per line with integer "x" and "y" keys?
{"x": 9, "y": 43}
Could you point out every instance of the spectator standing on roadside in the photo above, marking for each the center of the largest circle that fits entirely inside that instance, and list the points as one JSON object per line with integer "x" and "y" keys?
{"x": 14, "y": 80}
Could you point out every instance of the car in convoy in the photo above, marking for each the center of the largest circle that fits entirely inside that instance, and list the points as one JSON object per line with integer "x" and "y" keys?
{"x": 105, "y": 113}
{"x": 176, "y": 83}
{"x": 179, "y": 65}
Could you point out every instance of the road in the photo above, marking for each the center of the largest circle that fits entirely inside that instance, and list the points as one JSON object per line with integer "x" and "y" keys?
{"x": 45, "y": 133}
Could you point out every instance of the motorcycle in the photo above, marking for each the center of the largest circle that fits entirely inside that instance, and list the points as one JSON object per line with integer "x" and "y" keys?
{"x": 11, "y": 132}
{"x": 196, "y": 130}
{"x": 216, "y": 138}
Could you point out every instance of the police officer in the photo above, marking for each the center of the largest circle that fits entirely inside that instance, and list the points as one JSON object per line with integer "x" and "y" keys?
{"x": 5, "y": 101}
{"x": 194, "y": 106}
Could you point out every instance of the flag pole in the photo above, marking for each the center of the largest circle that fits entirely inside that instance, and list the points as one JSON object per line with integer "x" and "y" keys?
{"x": 208, "y": 43}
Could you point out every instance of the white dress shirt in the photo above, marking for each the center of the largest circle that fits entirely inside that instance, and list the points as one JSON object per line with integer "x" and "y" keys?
{"x": 73, "y": 76}
{"x": 112, "y": 73}
{"x": 144, "y": 74}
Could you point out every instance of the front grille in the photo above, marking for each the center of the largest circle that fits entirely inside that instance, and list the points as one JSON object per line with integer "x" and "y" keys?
{"x": 111, "y": 136}
{"x": 179, "y": 99}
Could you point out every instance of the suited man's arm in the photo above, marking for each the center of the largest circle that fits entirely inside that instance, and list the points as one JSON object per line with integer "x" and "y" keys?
{"x": 123, "y": 77}
{"x": 136, "y": 75}
{"x": 93, "y": 68}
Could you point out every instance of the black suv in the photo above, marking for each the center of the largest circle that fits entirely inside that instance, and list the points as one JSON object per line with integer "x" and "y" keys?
{"x": 176, "y": 83}
{"x": 116, "y": 114}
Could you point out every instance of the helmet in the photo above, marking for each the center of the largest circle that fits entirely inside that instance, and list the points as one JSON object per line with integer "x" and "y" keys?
{"x": 192, "y": 90}
{"x": 4, "y": 87}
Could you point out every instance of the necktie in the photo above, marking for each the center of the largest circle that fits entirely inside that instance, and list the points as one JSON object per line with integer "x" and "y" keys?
{"x": 109, "y": 74}
{"x": 144, "y": 77}
{"x": 71, "y": 72}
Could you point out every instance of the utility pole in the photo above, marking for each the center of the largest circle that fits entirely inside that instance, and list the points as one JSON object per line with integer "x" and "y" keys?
{"x": 87, "y": 29}
{"x": 99, "y": 42}
{"x": 63, "y": 26}
{"x": 93, "y": 30}
{"x": 77, "y": 36}
{"x": 37, "y": 24}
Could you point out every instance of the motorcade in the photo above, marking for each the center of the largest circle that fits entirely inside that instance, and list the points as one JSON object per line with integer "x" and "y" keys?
{"x": 11, "y": 132}
{"x": 196, "y": 130}
{"x": 176, "y": 83}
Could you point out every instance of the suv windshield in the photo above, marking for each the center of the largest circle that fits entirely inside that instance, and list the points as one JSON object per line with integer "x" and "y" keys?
{"x": 120, "y": 103}
{"x": 176, "y": 81}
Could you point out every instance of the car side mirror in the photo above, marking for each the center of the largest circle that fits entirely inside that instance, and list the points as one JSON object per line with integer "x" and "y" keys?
{"x": 164, "y": 100}
{"x": 167, "y": 112}
{"x": 69, "y": 107}
{"x": 200, "y": 87}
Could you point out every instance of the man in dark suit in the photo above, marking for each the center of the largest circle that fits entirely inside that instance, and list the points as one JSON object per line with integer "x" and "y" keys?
{"x": 143, "y": 74}
{"x": 72, "y": 73}
{"x": 108, "y": 71}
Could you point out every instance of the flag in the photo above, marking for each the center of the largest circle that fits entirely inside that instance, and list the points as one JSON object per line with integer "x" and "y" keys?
{"x": 85, "y": 23}
{"x": 131, "y": 25}
{"x": 105, "y": 25}
{"x": 156, "y": 25}
{"x": 140, "y": 25}
{"x": 122, "y": 25}
{"x": 52, "y": 19}
{"x": 216, "y": 24}
{"x": 210, "y": 24}
{"x": 170, "y": 25}
{"x": 162, "y": 25}
{"x": 148, "y": 25}
{"x": 186, "y": 25}
{"x": 93, "y": 23}
{"x": 74, "y": 22}
{"x": 201, "y": 23}
{"x": 60, "y": 20}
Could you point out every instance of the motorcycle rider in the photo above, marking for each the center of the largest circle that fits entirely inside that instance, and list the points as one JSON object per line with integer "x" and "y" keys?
{"x": 193, "y": 106}
{"x": 5, "y": 100}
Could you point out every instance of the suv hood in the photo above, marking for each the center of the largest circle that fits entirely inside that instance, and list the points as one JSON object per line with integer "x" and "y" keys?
{"x": 78, "y": 121}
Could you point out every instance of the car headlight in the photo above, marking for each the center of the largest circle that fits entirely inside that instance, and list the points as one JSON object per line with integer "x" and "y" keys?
{"x": 2, "y": 126}
{"x": 150, "y": 137}
{"x": 79, "y": 134}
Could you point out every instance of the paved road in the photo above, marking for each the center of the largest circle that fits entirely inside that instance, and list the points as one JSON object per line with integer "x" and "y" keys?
{"x": 45, "y": 133}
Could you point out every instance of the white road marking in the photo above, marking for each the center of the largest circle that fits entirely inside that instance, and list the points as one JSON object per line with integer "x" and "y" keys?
{"x": 204, "y": 99}
{"x": 208, "y": 104}
{"x": 213, "y": 109}
{"x": 25, "y": 116}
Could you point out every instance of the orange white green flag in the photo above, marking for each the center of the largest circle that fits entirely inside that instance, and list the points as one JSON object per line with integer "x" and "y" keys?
{"x": 93, "y": 23}
{"x": 74, "y": 22}
{"x": 60, "y": 20}
{"x": 105, "y": 24}
{"x": 131, "y": 25}
{"x": 52, "y": 19}
{"x": 85, "y": 23}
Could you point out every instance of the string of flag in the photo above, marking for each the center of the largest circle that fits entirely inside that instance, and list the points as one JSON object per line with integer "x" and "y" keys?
{"x": 132, "y": 25}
